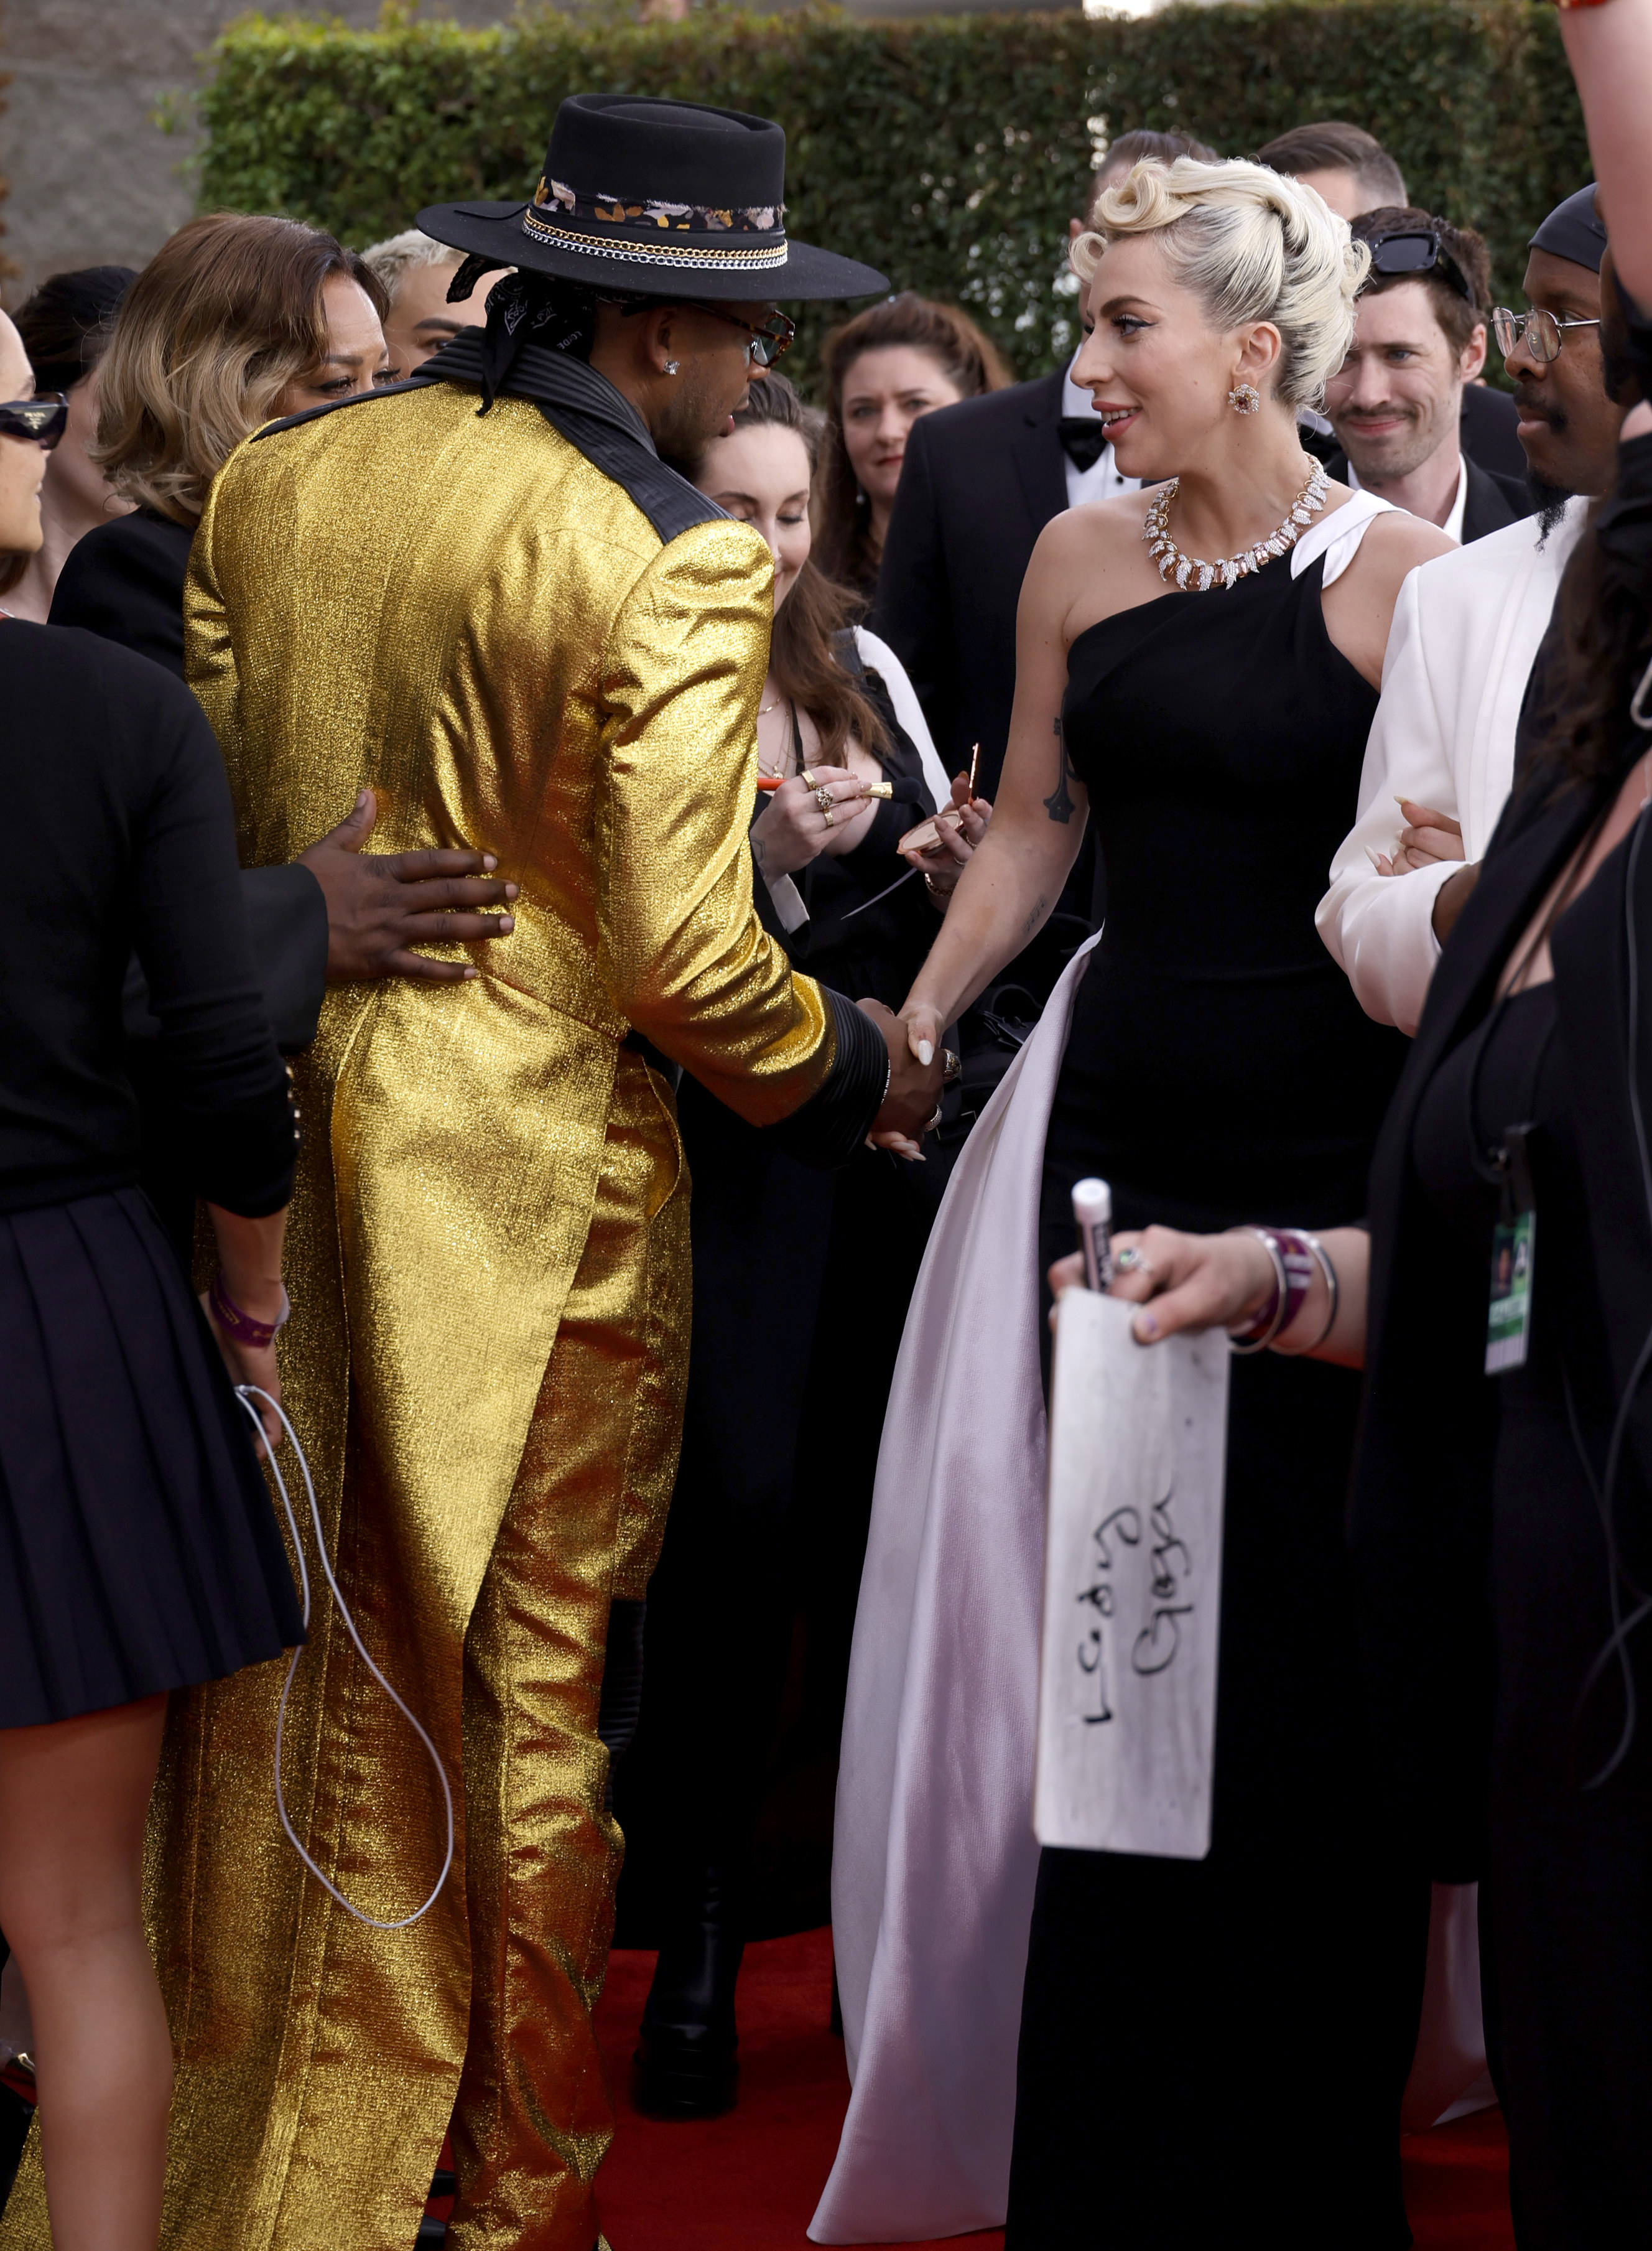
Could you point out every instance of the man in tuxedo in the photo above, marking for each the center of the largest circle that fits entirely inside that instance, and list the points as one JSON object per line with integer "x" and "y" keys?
{"x": 1465, "y": 647}
{"x": 1355, "y": 174}
{"x": 979, "y": 482}
{"x": 1395, "y": 403}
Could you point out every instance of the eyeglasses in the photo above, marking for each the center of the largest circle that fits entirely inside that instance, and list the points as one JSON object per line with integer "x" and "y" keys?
{"x": 1419, "y": 251}
{"x": 1540, "y": 332}
{"x": 767, "y": 342}
{"x": 44, "y": 419}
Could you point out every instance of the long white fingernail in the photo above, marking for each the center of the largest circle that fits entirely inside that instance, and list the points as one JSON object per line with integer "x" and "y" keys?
{"x": 926, "y": 1052}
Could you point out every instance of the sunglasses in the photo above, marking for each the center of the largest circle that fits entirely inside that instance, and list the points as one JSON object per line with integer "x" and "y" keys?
{"x": 1540, "y": 332}
{"x": 1415, "y": 252}
{"x": 44, "y": 419}
{"x": 767, "y": 342}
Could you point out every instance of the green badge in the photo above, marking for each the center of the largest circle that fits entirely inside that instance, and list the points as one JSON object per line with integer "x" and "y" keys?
{"x": 1509, "y": 1325}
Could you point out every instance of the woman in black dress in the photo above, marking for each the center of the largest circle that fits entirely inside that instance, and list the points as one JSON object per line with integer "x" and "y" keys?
{"x": 1502, "y": 1521}
{"x": 1214, "y": 718}
{"x": 801, "y": 1280}
{"x": 139, "y": 1552}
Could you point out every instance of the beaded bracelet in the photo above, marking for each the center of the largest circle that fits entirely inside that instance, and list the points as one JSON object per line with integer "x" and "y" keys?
{"x": 239, "y": 1325}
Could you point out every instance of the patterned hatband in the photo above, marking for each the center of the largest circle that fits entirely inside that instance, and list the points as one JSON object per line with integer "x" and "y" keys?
{"x": 632, "y": 229}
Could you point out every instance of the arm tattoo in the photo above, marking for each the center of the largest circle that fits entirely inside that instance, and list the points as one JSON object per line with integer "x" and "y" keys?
{"x": 1035, "y": 916}
{"x": 1059, "y": 803}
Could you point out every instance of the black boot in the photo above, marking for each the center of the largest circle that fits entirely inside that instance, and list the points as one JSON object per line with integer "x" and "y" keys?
{"x": 686, "y": 2064}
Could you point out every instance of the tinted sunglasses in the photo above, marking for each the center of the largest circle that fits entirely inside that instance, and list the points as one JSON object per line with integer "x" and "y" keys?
{"x": 1415, "y": 252}
{"x": 44, "y": 419}
{"x": 767, "y": 342}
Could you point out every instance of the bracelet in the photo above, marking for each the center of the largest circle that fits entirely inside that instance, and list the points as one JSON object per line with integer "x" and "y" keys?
{"x": 1265, "y": 1325}
{"x": 1295, "y": 1242}
{"x": 239, "y": 1325}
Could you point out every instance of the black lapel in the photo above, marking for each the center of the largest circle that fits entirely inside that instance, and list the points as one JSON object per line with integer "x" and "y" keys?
{"x": 1591, "y": 967}
{"x": 1039, "y": 462}
{"x": 1485, "y": 506}
{"x": 587, "y": 411}
{"x": 1531, "y": 844}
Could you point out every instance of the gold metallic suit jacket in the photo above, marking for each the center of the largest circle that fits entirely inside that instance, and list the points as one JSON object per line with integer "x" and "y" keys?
{"x": 505, "y": 652}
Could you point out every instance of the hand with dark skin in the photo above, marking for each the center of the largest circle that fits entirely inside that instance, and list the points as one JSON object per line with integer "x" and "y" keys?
{"x": 915, "y": 1088}
{"x": 1428, "y": 837}
{"x": 381, "y": 905}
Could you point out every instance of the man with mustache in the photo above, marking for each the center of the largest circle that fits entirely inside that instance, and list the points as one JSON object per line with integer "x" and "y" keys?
{"x": 1465, "y": 638}
{"x": 1396, "y": 403}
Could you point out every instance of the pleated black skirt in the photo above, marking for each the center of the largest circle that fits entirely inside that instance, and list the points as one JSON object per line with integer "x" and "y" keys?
{"x": 138, "y": 1547}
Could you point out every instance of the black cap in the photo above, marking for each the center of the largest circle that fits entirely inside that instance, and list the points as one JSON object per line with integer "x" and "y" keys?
{"x": 1573, "y": 230}
{"x": 657, "y": 198}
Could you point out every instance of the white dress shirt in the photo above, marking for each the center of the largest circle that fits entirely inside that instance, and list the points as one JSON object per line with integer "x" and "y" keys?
{"x": 1103, "y": 479}
{"x": 1453, "y": 525}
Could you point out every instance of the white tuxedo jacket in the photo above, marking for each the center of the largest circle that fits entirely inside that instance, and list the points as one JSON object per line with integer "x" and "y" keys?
{"x": 1465, "y": 632}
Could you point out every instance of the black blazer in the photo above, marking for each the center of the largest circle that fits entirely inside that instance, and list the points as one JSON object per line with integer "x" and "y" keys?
{"x": 979, "y": 482}
{"x": 1492, "y": 501}
{"x": 124, "y": 581}
{"x": 1419, "y": 1512}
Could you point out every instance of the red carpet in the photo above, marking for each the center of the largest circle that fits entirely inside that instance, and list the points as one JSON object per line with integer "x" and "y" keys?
{"x": 750, "y": 2181}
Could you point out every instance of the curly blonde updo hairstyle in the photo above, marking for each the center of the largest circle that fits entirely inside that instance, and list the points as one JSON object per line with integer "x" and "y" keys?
{"x": 1253, "y": 246}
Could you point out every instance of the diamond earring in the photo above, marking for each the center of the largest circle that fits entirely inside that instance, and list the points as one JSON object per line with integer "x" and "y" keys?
{"x": 671, "y": 367}
{"x": 1245, "y": 398}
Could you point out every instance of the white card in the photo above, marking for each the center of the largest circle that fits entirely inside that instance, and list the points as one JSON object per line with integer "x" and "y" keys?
{"x": 1132, "y": 1585}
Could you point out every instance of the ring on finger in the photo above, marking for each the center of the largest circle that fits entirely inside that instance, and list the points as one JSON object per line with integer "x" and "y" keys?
{"x": 1132, "y": 1261}
{"x": 929, "y": 1124}
{"x": 808, "y": 778}
{"x": 825, "y": 814}
{"x": 824, "y": 798}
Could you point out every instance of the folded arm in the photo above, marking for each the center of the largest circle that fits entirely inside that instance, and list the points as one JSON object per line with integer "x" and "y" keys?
{"x": 1379, "y": 927}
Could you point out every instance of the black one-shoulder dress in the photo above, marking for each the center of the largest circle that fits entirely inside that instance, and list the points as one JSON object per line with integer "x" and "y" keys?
{"x": 1217, "y": 2046}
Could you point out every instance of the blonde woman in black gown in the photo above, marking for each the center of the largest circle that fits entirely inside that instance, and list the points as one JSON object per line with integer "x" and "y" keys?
{"x": 1183, "y": 677}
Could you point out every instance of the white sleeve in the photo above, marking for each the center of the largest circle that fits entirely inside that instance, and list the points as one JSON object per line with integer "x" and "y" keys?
{"x": 881, "y": 659}
{"x": 1380, "y": 928}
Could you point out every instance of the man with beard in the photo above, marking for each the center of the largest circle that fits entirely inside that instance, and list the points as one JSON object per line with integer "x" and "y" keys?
{"x": 1396, "y": 402}
{"x": 1464, "y": 644}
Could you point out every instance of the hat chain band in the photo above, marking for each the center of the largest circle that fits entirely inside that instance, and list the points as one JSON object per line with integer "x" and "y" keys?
{"x": 760, "y": 259}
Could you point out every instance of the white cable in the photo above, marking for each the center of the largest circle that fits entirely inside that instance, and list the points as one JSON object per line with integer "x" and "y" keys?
{"x": 246, "y": 1393}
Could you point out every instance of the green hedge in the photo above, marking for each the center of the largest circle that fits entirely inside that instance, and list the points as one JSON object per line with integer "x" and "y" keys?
{"x": 946, "y": 151}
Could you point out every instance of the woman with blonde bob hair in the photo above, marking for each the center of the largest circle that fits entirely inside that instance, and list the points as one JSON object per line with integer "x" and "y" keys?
{"x": 235, "y": 322}
{"x": 1198, "y": 666}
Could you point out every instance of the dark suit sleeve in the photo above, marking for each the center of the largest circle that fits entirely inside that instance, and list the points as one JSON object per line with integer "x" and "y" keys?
{"x": 286, "y": 919}
{"x": 124, "y": 582}
{"x": 913, "y": 607}
{"x": 835, "y": 1122}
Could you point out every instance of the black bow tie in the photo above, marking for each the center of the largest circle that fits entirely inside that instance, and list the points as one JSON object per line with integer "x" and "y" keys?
{"x": 1083, "y": 439}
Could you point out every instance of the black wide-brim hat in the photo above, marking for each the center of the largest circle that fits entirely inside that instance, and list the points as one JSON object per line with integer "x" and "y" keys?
{"x": 658, "y": 199}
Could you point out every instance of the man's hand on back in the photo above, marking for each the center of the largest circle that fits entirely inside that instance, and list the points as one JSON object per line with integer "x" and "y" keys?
{"x": 380, "y": 906}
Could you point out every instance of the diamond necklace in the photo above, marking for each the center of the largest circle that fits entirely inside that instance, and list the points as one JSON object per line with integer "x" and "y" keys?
{"x": 1194, "y": 577}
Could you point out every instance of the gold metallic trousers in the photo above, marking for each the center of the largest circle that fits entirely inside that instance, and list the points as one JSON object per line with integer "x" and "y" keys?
{"x": 319, "y": 2063}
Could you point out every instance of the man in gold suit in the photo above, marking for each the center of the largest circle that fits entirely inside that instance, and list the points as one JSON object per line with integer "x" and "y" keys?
{"x": 483, "y": 595}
